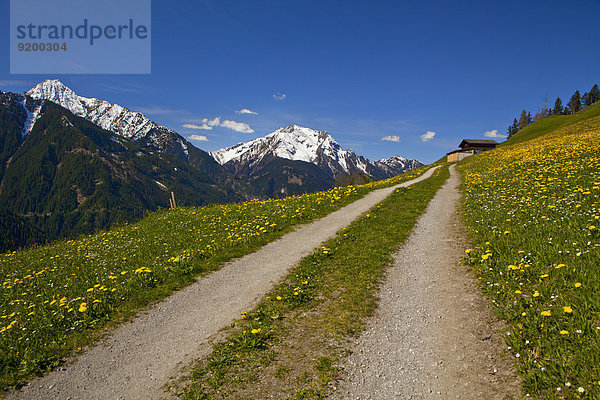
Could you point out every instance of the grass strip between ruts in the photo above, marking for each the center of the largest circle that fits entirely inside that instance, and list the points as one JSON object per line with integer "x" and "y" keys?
{"x": 288, "y": 346}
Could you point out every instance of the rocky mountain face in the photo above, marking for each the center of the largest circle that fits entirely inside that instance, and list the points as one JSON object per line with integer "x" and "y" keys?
{"x": 136, "y": 128}
{"x": 392, "y": 166}
{"x": 305, "y": 146}
{"x": 113, "y": 117}
{"x": 63, "y": 175}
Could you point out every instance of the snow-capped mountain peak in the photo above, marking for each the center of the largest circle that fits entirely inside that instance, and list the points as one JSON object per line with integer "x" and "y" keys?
{"x": 299, "y": 143}
{"x": 112, "y": 117}
{"x": 292, "y": 142}
{"x": 304, "y": 144}
{"x": 55, "y": 91}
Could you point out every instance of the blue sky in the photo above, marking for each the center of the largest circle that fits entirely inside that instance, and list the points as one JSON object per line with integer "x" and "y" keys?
{"x": 360, "y": 70}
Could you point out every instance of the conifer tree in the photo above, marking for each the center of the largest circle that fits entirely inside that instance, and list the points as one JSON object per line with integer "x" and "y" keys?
{"x": 594, "y": 94}
{"x": 513, "y": 128}
{"x": 558, "y": 107}
{"x": 524, "y": 119}
{"x": 585, "y": 100}
{"x": 574, "y": 103}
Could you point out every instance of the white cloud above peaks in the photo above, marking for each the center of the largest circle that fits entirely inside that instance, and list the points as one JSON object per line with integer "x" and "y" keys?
{"x": 494, "y": 134}
{"x": 200, "y": 138}
{"x": 427, "y": 136}
{"x": 208, "y": 124}
{"x": 237, "y": 126}
{"x": 197, "y": 126}
{"x": 246, "y": 111}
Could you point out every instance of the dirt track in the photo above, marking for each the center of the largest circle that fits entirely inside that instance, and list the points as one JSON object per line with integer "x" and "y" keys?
{"x": 432, "y": 335}
{"x": 139, "y": 357}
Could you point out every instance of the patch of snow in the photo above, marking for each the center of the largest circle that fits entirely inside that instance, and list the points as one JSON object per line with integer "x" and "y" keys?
{"x": 32, "y": 116}
{"x": 184, "y": 147}
{"x": 66, "y": 121}
{"x": 161, "y": 185}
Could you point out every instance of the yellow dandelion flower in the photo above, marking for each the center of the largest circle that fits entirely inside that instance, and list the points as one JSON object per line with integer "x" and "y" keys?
{"x": 82, "y": 307}
{"x": 567, "y": 309}
{"x": 577, "y": 284}
{"x": 278, "y": 297}
{"x": 545, "y": 313}
{"x": 563, "y": 332}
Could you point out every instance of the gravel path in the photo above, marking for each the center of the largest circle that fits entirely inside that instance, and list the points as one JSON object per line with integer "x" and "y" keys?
{"x": 432, "y": 335}
{"x": 140, "y": 356}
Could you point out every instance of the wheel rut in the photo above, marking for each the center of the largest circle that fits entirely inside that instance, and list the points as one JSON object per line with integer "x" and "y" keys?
{"x": 432, "y": 335}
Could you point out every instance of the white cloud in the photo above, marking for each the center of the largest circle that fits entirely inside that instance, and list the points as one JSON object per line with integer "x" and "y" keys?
{"x": 391, "y": 138}
{"x": 200, "y": 138}
{"x": 237, "y": 126}
{"x": 196, "y": 126}
{"x": 279, "y": 96}
{"x": 208, "y": 124}
{"x": 246, "y": 111}
{"x": 427, "y": 136}
{"x": 494, "y": 134}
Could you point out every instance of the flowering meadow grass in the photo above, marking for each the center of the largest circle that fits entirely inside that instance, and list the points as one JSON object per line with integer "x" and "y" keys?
{"x": 57, "y": 298}
{"x": 532, "y": 208}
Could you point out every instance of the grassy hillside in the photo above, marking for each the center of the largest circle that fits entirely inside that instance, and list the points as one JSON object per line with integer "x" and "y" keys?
{"x": 551, "y": 124}
{"x": 532, "y": 207}
{"x": 56, "y": 298}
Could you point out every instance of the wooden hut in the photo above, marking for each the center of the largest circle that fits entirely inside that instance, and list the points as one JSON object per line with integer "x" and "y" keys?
{"x": 468, "y": 147}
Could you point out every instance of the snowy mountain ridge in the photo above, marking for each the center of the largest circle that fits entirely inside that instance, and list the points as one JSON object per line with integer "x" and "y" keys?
{"x": 293, "y": 143}
{"x": 112, "y": 117}
{"x": 304, "y": 144}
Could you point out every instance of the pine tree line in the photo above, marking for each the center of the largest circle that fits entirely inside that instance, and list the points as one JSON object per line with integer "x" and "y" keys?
{"x": 576, "y": 103}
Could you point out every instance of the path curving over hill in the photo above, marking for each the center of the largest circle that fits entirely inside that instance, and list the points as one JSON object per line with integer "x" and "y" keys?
{"x": 140, "y": 356}
{"x": 432, "y": 335}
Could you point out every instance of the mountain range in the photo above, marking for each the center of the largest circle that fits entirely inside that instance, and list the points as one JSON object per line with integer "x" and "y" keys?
{"x": 71, "y": 164}
{"x": 306, "y": 157}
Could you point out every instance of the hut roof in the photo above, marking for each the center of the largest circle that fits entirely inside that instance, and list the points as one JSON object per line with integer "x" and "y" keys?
{"x": 478, "y": 142}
